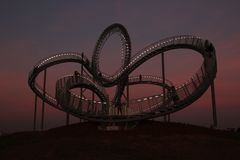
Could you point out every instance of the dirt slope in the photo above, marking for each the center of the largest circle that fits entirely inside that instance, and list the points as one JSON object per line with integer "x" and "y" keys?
{"x": 149, "y": 140}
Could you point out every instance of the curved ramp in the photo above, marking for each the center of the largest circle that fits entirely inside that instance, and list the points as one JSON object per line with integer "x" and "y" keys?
{"x": 115, "y": 110}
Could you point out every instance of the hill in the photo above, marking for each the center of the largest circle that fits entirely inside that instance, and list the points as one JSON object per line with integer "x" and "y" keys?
{"x": 149, "y": 140}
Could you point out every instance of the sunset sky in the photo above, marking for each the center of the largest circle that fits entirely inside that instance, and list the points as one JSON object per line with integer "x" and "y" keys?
{"x": 31, "y": 30}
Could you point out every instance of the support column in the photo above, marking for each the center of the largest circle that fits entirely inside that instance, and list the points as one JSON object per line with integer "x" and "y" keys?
{"x": 44, "y": 96}
{"x": 93, "y": 98}
{"x": 166, "y": 117}
{"x": 35, "y": 113}
{"x": 81, "y": 90}
{"x": 67, "y": 119}
{"x": 127, "y": 97}
{"x": 67, "y": 114}
{"x": 214, "y": 111}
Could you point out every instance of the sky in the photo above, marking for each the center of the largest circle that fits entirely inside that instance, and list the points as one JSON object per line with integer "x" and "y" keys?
{"x": 32, "y": 30}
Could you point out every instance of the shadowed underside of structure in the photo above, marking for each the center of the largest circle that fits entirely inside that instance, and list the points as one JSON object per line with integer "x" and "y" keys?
{"x": 122, "y": 108}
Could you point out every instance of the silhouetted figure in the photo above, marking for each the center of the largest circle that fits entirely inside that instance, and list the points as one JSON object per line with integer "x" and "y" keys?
{"x": 175, "y": 97}
{"x": 140, "y": 77}
{"x": 87, "y": 62}
{"x": 76, "y": 75}
{"x": 208, "y": 48}
{"x": 119, "y": 108}
{"x": 88, "y": 105}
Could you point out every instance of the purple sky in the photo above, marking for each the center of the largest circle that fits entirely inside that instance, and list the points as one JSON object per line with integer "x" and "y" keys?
{"x": 30, "y": 31}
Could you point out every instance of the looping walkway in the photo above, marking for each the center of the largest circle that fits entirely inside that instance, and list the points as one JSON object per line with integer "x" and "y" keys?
{"x": 115, "y": 110}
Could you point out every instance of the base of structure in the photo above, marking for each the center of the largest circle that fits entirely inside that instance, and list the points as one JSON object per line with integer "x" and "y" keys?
{"x": 117, "y": 126}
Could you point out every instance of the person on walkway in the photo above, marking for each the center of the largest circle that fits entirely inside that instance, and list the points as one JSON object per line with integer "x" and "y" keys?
{"x": 76, "y": 75}
{"x": 175, "y": 97}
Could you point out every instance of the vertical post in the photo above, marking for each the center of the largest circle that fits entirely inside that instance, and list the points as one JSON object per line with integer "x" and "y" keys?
{"x": 194, "y": 84}
{"x": 214, "y": 111}
{"x": 127, "y": 97}
{"x": 163, "y": 77}
{"x": 81, "y": 90}
{"x": 44, "y": 96}
{"x": 35, "y": 113}
{"x": 71, "y": 101}
{"x": 67, "y": 118}
{"x": 140, "y": 107}
{"x": 93, "y": 97}
{"x": 92, "y": 94}
{"x": 198, "y": 78}
{"x": 186, "y": 88}
{"x": 67, "y": 114}
{"x": 185, "y": 91}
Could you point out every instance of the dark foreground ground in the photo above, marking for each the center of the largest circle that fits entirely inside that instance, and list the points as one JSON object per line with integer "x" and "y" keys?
{"x": 149, "y": 140}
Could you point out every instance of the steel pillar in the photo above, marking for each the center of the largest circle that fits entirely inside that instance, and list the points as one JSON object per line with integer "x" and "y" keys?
{"x": 44, "y": 96}
{"x": 166, "y": 117}
{"x": 93, "y": 98}
{"x": 67, "y": 119}
{"x": 127, "y": 97}
{"x": 35, "y": 113}
{"x": 81, "y": 90}
{"x": 214, "y": 111}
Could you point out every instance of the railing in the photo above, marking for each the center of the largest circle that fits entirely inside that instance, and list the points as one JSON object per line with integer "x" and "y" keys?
{"x": 81, "y": 104}
{"x": 188, "y": 88}
{"x": 140, "y": 55}
{"x": 61, "y": 56}
{"x": 149, "y": 78}
{"x": 139, "y": 106}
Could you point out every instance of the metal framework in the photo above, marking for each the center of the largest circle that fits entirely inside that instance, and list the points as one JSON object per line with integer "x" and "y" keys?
{"x": 119, "y": 109}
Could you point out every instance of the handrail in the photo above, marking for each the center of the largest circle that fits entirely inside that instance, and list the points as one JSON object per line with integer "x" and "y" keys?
{"x": 95, "y": 80}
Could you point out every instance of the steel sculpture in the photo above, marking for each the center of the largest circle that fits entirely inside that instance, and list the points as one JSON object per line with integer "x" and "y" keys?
{"x": 119, "y": 110}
